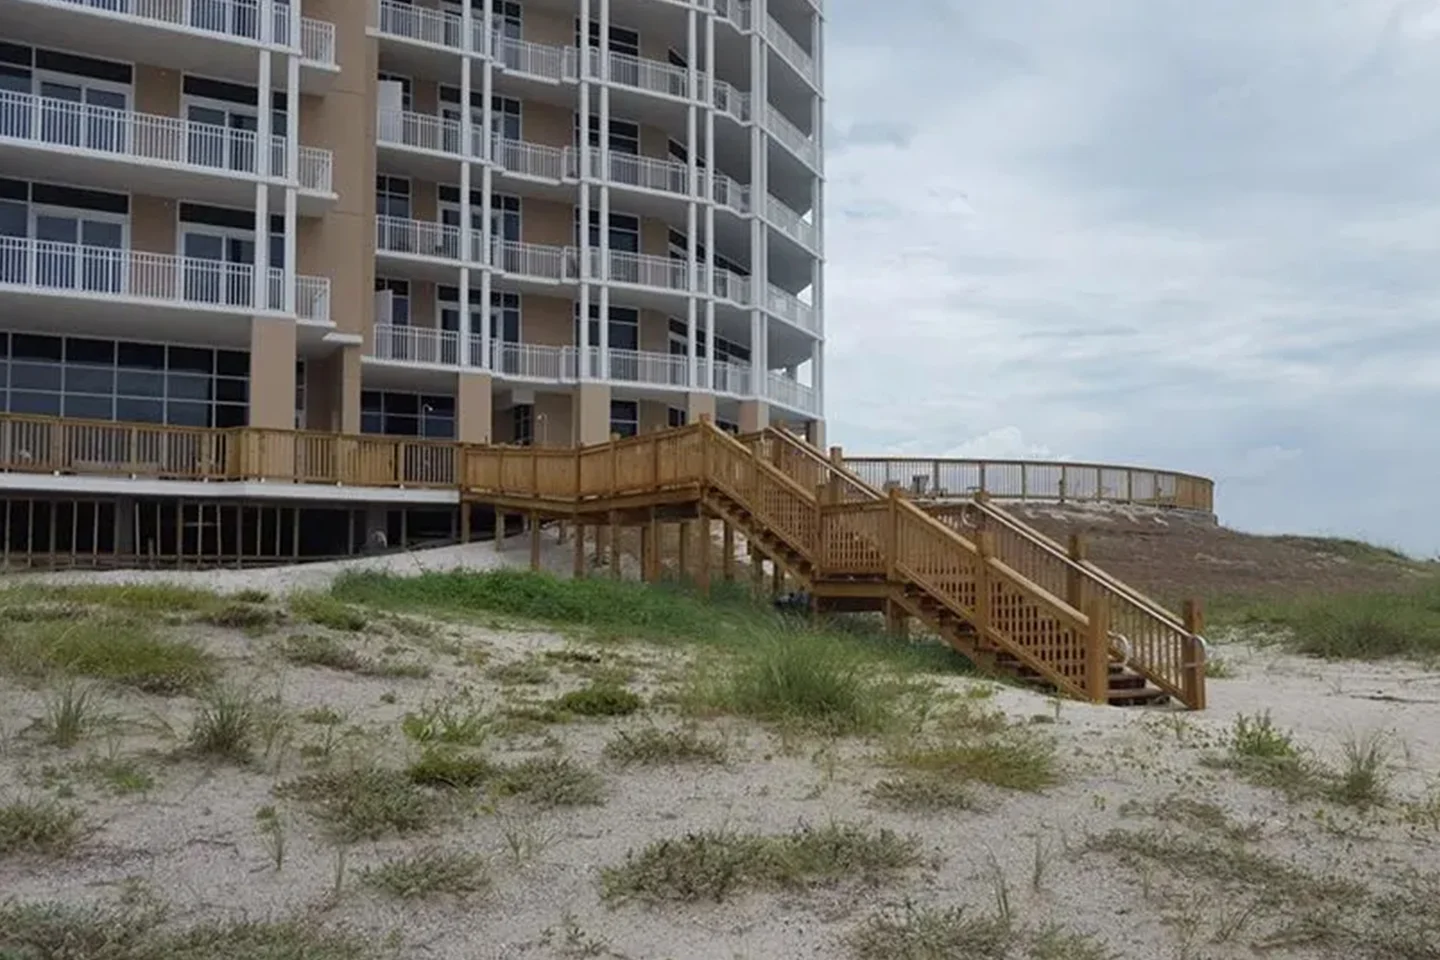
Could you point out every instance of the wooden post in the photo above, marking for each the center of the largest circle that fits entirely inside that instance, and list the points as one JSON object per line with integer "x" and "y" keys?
{"x": 683, "y": 560}
{"x": 892, "y": 540}
{"x": 1075, "y": 579}
{"x": 614, "y": 545}
{"x": 579, "y": 551}
{"x": 465, "y": 521}
{"x": 897, "y": 621}
{"x": 650, "y": 549}
{"x": 535, "y": 542}
{"x": 1097, "y": 651}
{"x": 1193, "y": 676}
{"x": 499, "y": 530}
{"x": 757, "y": 571}
{"x": 837, "y": 464}
{"x": 777, "y": 579}
{"x": 822, "y": 497}
{"x": 985, "y": 543}
{"x": 702, "y": 559}
{"x": 600, "y": 538}
{"x": 727, "y": 541}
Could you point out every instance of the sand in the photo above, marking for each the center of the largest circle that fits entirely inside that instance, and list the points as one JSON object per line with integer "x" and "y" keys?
{"x": 193, "y": 839}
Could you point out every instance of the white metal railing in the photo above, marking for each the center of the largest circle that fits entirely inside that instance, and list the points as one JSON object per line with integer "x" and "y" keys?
{"x": 651, "y": 75}
{"x": 732, "y": 378}
{"x": 648, "y": 172}
{"x": 787, "y": 133}
{"x": 736, "y": 11}
{"x": 791, "y": 223}
{"x": 791, "y": 393}
{"x": 421, "y": 238}
{"x": 406, "y": 344}
{"x": 728, "y": 100}
{"x": 534, "y": 59}
{"x": 421, "y": 131}
{"x": 728, "y": 193}
{"x": 312, "y": 298}
{"x": 109, "y": 273}
{"x": 49, "y": 122}
{"x": 643, "y": 366}
{"x": 789, "y": 49}
{"x": 422, "y": 24}
{"x": 533, "y": 259}
{"x": 530, "y": 159}
{"x": 315, "y": 169}
{"x": 532, "y": 360}
{"x": 239, "y": 19}
{"x": 789, "y": 307}
{"x": 642, "y": 269}
{"x": 731, "y": 286}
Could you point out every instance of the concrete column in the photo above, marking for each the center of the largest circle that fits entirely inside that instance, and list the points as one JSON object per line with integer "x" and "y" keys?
{"x": 474, "y": 408}
{"x": 592, "y": 413}
{"x": 754, "y": 415}
{"x": 699, "y": 404}
{"x": 272, "y": 373}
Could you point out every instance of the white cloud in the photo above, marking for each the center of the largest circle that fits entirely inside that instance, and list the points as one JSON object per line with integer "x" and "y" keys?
{"x": 1199, "y": 236}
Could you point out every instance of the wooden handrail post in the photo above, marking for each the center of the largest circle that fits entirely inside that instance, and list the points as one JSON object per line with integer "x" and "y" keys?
{"x": 614, "y": 545}
{"x": 1074, "y": 579}
{"x": 985, "y": 546}
{"x": 822, "y": 497}
{"x": 702, "y": 561}
{"x": 727, "y": 541}
{"x": 837, "y": 467}
{"x": 535, "y": 542}
{"x": 614, "y": 464}
{"x": 892, "y": 540}
{"x": 683, "y": 557}
{"x": 1193, "y": 672}
{"x": 1097, "y": 651}
{"x": 579, "y": 551}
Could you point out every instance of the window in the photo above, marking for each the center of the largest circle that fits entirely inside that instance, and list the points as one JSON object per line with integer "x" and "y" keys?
{"x": 447, "y": 309}
{"x": 679, "y": 250}
{"x": 725, "y": 350}
{"x": 624, "y": 231}
{"x": 405, "y": 93}
{"x": 624, "y": 134}
{"x": 506, "y": 19}
{"x": 82, "y": 228}
{"x": 399, "y": 291}
{"x": 622, "y": 40}
{"x": 504, "y": 317}
{"x": 678, "y": 416}
{"x": 679, "y": 154}
{"x": 625, "y": 417}
{"x": 624, "y": 327}
{"x": 392, "y": 196}
{"x": 522, "y": 424}
{"x": 121, "y": 380}
{"x": 398, "y": 414}
{"x": 505, "y": 118}
{"x": 224, "y": 120}
{"x": 728, "y": 426}
{"x": 219, "y": 248}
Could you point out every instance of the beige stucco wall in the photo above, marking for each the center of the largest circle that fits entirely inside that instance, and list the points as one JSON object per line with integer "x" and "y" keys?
{"x": 654, "y": 331}
{"x": 547, "y": 124}
{"x": 700, "y": 405}
{"x": 551, "y": 27}
{"x": 152, "y": 224}
{"x": 547, "y": 221}
{"x": 754, "y": 415}
{"x": 474, "y": 414}
{"x": 157, "y": 90}
{"x": 272, "y": 373}
{"x": 592, "y": 413}
{"x": 547, "y": 320}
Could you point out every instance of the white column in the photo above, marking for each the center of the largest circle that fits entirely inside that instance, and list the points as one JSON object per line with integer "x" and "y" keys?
{"x": 759, "y": 148}
{"x": 604, "y": 57}
{"x": 487, "y": 280}
{"x": 260, "y": 296}
{"x": 292, "y": 268}
{"x": 692, "y": 227}
{"x": 292, "y": 166}
{"x": 709, "y": 187}
{"x": 582, "y": 146}
{"x": 265, "y": 29}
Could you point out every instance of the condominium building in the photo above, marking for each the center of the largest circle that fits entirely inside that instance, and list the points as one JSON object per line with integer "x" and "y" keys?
{"x": 545, "y": 221}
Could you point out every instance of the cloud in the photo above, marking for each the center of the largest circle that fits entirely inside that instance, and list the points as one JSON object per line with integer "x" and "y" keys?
{"x": 1198, "y": 236}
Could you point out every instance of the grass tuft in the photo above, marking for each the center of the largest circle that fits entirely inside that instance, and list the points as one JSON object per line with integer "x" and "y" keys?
{"x": 427, "y": 872}
{"x": 551, "y": 782}
{"x": 716, "y": 865}
{"x": 652, "y": 746}
{"x": 439, "y": 767}
{"x": 326, "y": 610}
{"x": 1363, "y": 779}
{"x": 912, "y": 933}
{"x": 38, "y": 828}
{"x": 599, "y": 700}
{"x": 366, "y": 803}
{"x": 923, "y": 792}
{"x": 226, "y": 725}
{"x": 121, "y": 649}
{"x": 70, "y": 712}
{"x": 1019, "y": 759}
{"x": 1353, "y": 626}
{"x": 308, "y": 650}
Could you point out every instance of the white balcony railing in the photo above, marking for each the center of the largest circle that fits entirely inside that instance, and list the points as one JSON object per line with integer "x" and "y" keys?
{"x": 791, "y": 223}
{"x": 533, "y": 260}
{"x": 530, "y": 159}
{"x": 169, "y": 141}
{"x": 728, "y": 193}
{"x": 45, "y": 266}
{"x": 420, "y": 238}
{"x": 534, "y": 59}
{"x": 791, "y": 308}
{"x": 732, "y": 378}
{"x": 800, "y": 144}
{"x": 531, "y": 360}
{"x": 239, "y": 19}
{"x": 406, "y": 344}
{"x": 730, "y": 101}
{"x": 731, "y": 286}
{"x": 791, "y": 393}
{"x": 418, "y": 130}
{"x": 642, "y": 366}
{"x": 789, "y": 49}
{"x": 649, "y": 75}
{"x": 642, "y": 269}
{"x": 648, "y": 173}
{"x": 421, "y": 24}
{"x": 736, "y": 11}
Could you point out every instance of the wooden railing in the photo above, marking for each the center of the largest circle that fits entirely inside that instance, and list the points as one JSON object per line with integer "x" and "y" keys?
{"x": 1054, "y": 482}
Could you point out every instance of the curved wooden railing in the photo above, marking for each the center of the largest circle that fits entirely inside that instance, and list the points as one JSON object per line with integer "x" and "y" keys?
{"x": 1047, "y": 481}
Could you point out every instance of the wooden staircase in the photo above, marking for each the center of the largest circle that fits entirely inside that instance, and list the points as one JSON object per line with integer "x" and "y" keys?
{"x": 998, "y": 592}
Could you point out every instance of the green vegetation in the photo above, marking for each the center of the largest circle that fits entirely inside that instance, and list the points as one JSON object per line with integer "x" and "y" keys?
{"x": 128, "y": 931}
{"x": 923, "y": 792}
{"x": 123, "y": 649}
{"x": 70, "y": 712}
{"x": 38, "y": 828}
{"x": 599, "y": 700}
{"x": 309, "y": 650}
{"x": 551, "y": 782}
{"x": 715, "y": 865}
{"x": 366, "y": 803}
{"x": 652, "y": 746}
{"x": 1349, "y": 626}
{"x": 1268, "y": 756}
{"x": 914, "y": 933}
{"x": 440, "y": 767}
{"x": 326, "y": 610}
{"x": 428, "y": 872}
{"x": 1018, "y": 759}
{"x": 457, "y": 719}
{"x": 225, "y": 727}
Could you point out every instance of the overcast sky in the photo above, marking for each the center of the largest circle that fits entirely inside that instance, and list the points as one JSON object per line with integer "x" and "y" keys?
{"x": 1200, "y": 234}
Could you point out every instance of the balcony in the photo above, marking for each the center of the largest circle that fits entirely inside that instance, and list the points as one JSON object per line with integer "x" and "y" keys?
{"x": 791, "y": 224}
{"x": 165, "y": 156}
{"x": 790, "y": 51}
{"x": 791, "y": 393}
{"x": 133, "y": 277}
{"x": 642, "y": 270}
{"x": 735, "y": 11}
{"x": 790, "y": 136}
{"x": 216, "y": 36}
{"x": 418, "y": 131}
{"x": 530, "y": 361}
{"x": 536, "y": 61}
{"x": 417, "y": 238}
{"x": 651, "y": 76}
{"x": 534, "y": 261}
{"x": 648, "y": 368}
{"x": 403, "y": 21}
{"x": 792, "y": 309}
{"x": 732, "y": 287}
{"x": 730, "y": 101}
{"x": 728, "y": 193}
{"x": 645, "y": 173}
{"x": 399, "y": 343}
{"x": 532, "y": 160}
{"x": 732, "y": 378}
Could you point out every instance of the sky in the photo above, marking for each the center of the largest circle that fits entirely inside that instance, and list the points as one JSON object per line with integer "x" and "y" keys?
{"x": 1196, "y": 235}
